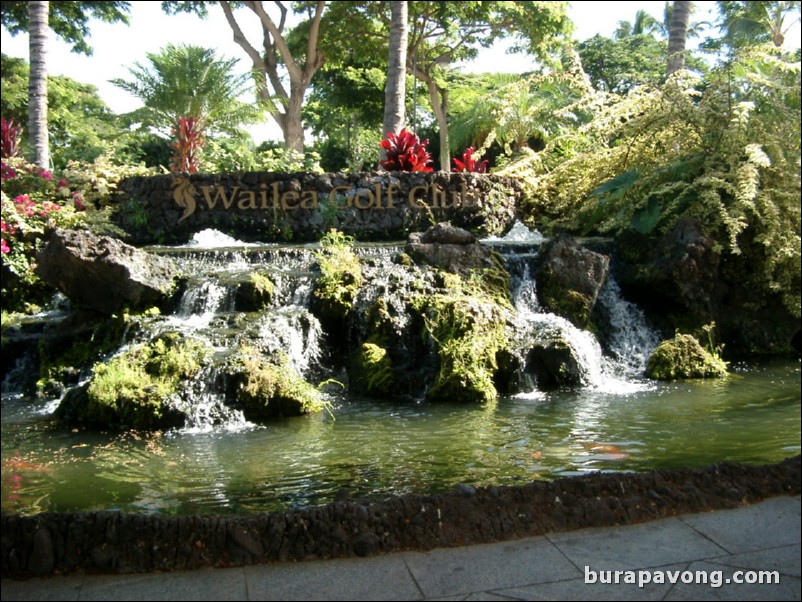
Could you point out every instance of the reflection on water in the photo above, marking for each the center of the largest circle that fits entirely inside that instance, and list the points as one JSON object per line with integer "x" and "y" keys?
{"x": 376, "y": 448}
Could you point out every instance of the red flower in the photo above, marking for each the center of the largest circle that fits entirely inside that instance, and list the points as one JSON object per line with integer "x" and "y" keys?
{"x": 470, "y": 164}
{"x": 405, "y": 152}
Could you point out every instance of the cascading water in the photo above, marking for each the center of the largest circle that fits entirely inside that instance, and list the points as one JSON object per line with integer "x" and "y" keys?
{"x": 631, "y": 339}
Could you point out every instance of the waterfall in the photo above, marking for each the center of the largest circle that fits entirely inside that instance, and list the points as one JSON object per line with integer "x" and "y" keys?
{"x": 630, "y": 342}
{"x": 294, "y": 332}
{"x": 204, "y": 405}
{"x": 631, "y": 339}
{"x": 199, "y": 304}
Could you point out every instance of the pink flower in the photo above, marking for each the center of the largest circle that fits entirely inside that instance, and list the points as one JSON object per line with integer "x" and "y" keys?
{"x": 4, "y": 248}
{"x": 7, "y": 172}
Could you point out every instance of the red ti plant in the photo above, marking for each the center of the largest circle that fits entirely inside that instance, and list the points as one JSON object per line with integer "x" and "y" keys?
{"x": 405, "y": 152}
{"x": 468, "y": 163}
{"x": 10, "y": 135}
{"x": 188, "y": 134}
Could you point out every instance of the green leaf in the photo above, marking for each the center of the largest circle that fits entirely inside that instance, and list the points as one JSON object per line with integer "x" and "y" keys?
{"x": 616, "y": 187}
{"x": 646, "y": 218}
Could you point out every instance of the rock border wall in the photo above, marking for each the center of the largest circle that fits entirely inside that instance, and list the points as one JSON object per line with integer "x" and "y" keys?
{"x": 115, "y": 542}
{"x": 300, "y": 207}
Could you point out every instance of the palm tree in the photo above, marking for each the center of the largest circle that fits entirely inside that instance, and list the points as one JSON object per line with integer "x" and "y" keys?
{"x": 643, "y": 23}
{"x": 394, "y": 93}
{"x": 37, "y": 83}
{"x": 677, "y": 35}
{"x": 190, "y": 81}
{"x": 761, "y": 21}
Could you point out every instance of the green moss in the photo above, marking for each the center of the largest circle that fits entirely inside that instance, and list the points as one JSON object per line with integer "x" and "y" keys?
{"x": 573, "y": 306}
{"x": 467, "y": 327}
{"x": 255, "y": 293}
{"x": 372, "y": 371}
{"x": 133, "y": 389}
{"x": 683, "y": 357}
{"x": 341, "y": 274}
{"x": 61, "y": 360}
{"x": 265, "y": 389}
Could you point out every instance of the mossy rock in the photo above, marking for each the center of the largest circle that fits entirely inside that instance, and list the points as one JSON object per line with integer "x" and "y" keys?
{"x": 371, "y": 370}
{"x": 467, "y": 327}
{"x": 255, "y": 293}
{"x": 683, "y": 357}
{"x": 340, "y": 275}
{"x": 573, "y": 306}
{"x": 134, "y": 389}
{"x": 264, "y": 389}
{"x": 81, "y": 339}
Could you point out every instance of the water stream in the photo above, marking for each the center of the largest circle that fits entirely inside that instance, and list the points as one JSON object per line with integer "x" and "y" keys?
{"x": 219, "y": 463}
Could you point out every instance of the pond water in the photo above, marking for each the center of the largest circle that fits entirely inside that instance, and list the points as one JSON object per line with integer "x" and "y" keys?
{"x": 376, "y": 448}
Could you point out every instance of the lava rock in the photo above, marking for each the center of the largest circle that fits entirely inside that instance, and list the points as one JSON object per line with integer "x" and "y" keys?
{"x": 450, "y": 248}
{"x": 103, "y": 273}
{"x": 570, "y": 278}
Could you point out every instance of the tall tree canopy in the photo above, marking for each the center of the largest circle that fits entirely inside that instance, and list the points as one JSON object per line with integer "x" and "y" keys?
{"x": 275, "y": 54}
{"x": 444, "y": 33}
{"x": 189, "y": 81}
{"x": 80, "y": 125}
{"x": 69, "y": 20}
{"x": 746, "y": 23}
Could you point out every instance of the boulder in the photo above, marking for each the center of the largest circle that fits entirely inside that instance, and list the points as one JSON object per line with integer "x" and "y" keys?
{"x": 450, "y": 248}
{"x": 554, "y": 364}
{"x": 103, "y": 273}
{"x": 446, "y": 234}
{"x": 570, "y": 278}
{"x": 683, "y": 357}
{"x": 687, "y": 268}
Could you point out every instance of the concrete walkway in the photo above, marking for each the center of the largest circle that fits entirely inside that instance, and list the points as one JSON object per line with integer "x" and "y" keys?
{"x": 699, "y": 552}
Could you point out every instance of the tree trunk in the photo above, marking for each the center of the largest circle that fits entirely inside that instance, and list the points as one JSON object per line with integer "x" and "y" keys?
{"x": 395, "y": 91}
{"x": 37, "y": 83}
{"x": 677, "y": 34}
{"x": 439, "y": 98}
{"x": 267, "y": 67}
{"x": 292, "y": 126}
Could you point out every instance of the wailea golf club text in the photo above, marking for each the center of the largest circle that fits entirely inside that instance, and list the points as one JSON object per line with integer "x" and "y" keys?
{"x": 270, "y": 196}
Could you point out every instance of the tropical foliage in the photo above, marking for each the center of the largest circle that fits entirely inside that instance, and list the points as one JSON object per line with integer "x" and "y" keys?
{"x": 10, "y": 134}
{"x": 80, "y": 125}
{"x": 724, "y": 150}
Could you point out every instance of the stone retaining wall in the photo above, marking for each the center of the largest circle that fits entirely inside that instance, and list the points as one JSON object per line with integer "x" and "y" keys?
{"x": 115, "y": 542}
{"x": 280, "y": 207}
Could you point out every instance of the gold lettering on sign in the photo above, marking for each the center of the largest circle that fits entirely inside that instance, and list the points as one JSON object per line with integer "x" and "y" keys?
{"x": 184, "y": 196}
{"x": 414, "y": 201}
{"x": 288, "y": 197}
{"x": 220, "y": 193}
{"x": 308, "y": 199}
{"x": 247, "y": 199}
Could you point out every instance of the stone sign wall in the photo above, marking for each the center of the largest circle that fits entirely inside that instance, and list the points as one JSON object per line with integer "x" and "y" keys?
{"x": 268, "y": 206}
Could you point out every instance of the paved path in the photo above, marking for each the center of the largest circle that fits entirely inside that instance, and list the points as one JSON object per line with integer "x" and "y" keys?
{"x": 716, "y": 546}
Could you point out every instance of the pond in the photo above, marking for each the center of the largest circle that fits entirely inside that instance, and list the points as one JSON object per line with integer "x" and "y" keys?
{"x": 375, "y": 448}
